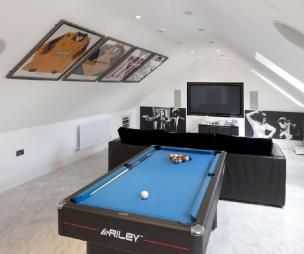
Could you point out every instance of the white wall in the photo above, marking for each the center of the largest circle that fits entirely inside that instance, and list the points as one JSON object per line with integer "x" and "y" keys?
{"x": 47, "y": 148}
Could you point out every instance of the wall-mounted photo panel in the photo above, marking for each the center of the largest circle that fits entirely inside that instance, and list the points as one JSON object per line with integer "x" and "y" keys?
{"x": 59, "y": 50}
{"x": 146, "y": 69}
{"x": 163, "y": 118}
{"x": 99, "y": 60}
{"x": 131, "y": 63}
{"x": 274, "y": 124}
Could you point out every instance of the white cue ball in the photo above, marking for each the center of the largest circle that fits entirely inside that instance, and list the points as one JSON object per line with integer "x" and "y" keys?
{"x": 186, "y": 158}
{"x": 144, "y": 195}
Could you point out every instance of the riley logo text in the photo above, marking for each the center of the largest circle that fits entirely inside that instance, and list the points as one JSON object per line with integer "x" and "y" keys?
{"x": 119, "y": 235}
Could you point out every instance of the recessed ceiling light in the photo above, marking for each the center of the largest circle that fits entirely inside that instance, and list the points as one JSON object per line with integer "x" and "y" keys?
{"x": 188, "y": 12}
{"x": 137, "y": 17}
{"x": 161, "y": 30}
{"x": 218, "y": 51}
{"x": 201, "y": 29}
{"x": 192, "y": 51}
{"x": 199, "y": 57}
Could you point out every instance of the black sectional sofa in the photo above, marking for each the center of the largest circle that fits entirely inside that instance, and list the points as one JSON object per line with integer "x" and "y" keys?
{"x": 255, "y": 168}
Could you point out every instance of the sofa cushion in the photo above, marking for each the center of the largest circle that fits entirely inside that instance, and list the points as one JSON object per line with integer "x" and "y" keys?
{"x": 141, "y": 137}
{"x": 230, "y": 144}
{"x": 190, "y": 140}
{"x": 159, "y": 137}
{"x": 244, "y": 145}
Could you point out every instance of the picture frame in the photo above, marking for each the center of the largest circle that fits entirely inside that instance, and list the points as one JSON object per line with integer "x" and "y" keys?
{"x": 99, "y": 60}
{"x": 57, "y": 52}
{"x": 130, "y": 63}
{"x": 146, "y": 69}
{"x": 276, "y": 124}
{"x": 169, "y": 119}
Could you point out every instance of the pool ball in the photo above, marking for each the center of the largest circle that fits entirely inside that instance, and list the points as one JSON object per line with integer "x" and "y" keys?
{"x": 186, "y": 158}
{"x": 144, "y": 194}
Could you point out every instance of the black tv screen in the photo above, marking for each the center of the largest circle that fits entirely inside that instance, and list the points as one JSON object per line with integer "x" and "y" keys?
{"x": 215, "y": 99}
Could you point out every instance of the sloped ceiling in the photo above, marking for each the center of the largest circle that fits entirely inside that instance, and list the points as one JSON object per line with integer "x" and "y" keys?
{"x": 248, "y": 25}
{"x": 236, "y": 27}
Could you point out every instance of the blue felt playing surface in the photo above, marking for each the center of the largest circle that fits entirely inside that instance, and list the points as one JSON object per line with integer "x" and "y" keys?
{"x": 175, "y": 190}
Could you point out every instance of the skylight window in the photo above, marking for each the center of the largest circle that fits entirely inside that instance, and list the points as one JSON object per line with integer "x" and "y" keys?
{"x": 279, "y": 71}
{"x": 278, "y": 88}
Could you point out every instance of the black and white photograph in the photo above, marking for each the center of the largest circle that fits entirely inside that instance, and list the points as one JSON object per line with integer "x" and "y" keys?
{"x": 274, "y": 124}
{"x": 163, "y": 118}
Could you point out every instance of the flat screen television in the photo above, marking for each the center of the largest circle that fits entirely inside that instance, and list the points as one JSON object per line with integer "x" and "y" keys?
{"x": 215, "y": 99}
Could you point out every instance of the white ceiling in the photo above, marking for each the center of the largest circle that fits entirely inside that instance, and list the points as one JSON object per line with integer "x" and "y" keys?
{"x": 244, "y": 25}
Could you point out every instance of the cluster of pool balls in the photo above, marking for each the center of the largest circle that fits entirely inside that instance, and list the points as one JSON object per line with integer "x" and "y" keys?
{"x": 179, "y": 158}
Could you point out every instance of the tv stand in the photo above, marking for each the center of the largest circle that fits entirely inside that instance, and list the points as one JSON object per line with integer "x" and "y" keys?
{"x": 218, "y": 129}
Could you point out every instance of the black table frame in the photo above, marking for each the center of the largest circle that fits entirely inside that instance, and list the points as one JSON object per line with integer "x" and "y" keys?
{"x": 153, "y": 235}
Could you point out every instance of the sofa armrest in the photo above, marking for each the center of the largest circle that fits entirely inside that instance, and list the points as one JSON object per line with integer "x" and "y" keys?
{"x": 119, "y": 152}
{"x": 255, "y": 179}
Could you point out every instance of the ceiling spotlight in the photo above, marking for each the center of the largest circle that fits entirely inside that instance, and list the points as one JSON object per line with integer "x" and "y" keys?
{"x": 192, "y": 51}
{"x": 199, "y": 57}
{"x": 201, "y": 29}
{"x": 138, "y": 17}
{"x": 218, "y": 51}
{"x": 162, "y": 30}
{"x": 188, "y": 12}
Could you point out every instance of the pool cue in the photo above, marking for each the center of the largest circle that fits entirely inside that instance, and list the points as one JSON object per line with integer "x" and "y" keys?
{"x": 120, "y": 174}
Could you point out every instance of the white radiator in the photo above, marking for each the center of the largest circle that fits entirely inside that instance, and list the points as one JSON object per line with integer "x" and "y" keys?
{"x": 93, "y": 134}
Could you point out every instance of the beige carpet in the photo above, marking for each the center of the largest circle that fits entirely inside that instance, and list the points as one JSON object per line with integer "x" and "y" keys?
{"x": 28, "y": 214}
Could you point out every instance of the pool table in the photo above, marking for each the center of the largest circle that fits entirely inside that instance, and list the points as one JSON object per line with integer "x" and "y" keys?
{"x": 177, "y": 217}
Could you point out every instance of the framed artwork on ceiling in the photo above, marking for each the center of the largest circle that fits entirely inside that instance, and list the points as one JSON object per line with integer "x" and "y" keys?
{"x": 146, "y": 69}
{"x": 56, "y": 53}
{"x": 99, "y": 60}
{"x": 131, "y": 63}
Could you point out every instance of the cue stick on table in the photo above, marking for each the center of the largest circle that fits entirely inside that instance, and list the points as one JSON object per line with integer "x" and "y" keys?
{"x": 120, "y": 174}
